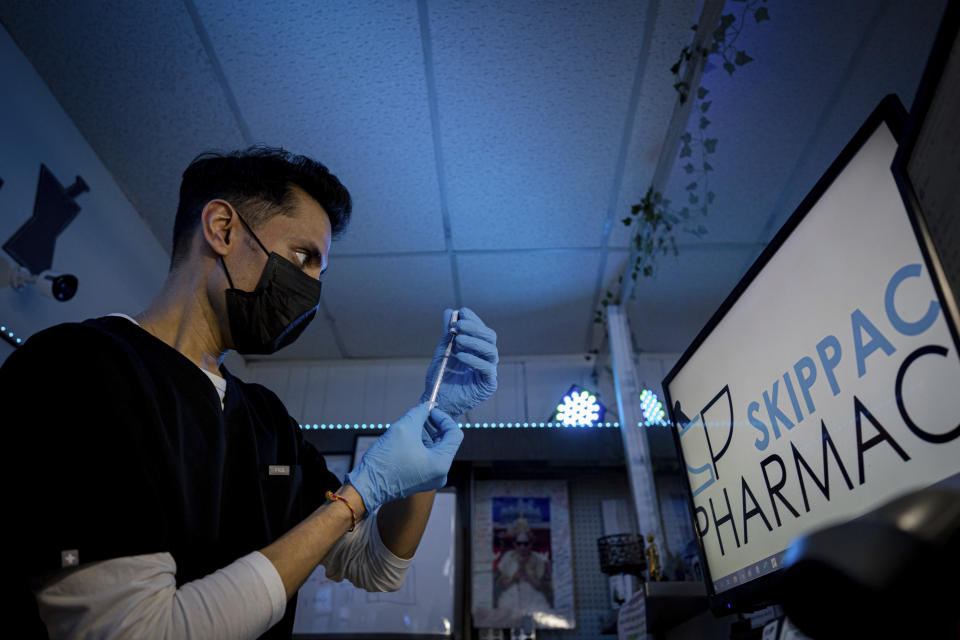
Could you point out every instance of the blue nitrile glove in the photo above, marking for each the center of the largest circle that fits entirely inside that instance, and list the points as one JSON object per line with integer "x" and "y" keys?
{"x": 400, "y": 462}
{"x": 471, "y": 375}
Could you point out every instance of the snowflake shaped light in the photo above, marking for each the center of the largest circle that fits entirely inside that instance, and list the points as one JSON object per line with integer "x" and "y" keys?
{"x": 579, "y": 408}
{"x": 653, "y": 413}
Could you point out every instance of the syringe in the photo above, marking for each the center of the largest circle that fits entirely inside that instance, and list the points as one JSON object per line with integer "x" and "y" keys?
{"x": 443, "y": 363}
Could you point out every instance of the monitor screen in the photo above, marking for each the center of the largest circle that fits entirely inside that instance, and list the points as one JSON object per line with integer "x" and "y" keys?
{"x": 826, "y": 384}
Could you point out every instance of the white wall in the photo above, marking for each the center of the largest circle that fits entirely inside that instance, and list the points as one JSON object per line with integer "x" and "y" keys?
{"x": 108, "y": 246}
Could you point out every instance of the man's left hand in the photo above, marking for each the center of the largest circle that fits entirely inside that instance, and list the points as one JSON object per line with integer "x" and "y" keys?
{"x": 471, "y": 375}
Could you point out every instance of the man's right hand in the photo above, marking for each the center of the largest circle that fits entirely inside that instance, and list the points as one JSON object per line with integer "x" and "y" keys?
{"x": 402, "y": 462}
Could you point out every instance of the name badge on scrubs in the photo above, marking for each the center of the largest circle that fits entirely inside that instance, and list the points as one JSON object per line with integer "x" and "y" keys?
{"x": 278, "y": 470}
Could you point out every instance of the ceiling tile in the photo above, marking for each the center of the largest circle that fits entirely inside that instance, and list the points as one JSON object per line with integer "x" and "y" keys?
{"x": 345, "y": 85}
{"x": 538, "y": 300}
{"x": 533, "y": 100}
{"x": 891, "y": 60}
{"x": 136, "y": 81}
{"x": 389, "y": 307}
{"x": 672, "y": 306}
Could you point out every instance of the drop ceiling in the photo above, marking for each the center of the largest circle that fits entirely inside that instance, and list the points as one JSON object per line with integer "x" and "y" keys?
{"x": 492, "y": 147}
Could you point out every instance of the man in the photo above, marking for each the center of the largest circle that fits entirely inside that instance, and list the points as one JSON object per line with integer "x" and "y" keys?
{"x": 524, "y": 583}
{"x": 157, "y": 495}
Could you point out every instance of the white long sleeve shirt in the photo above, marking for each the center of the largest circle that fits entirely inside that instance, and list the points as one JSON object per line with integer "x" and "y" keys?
{"x": 136, "y": 596}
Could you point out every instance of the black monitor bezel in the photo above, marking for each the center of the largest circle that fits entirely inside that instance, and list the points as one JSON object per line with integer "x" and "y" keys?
{"x": 760, "y": 592}
{"x": 947, "y": 35}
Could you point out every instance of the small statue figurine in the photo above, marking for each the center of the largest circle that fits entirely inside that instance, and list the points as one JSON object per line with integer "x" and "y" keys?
{"x": 653, "y": 560}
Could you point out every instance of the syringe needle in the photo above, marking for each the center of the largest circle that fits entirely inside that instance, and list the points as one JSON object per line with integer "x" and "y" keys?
{"x": 443, "y": 363}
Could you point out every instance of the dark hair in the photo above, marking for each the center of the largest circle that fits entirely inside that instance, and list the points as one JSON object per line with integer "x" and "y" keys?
{"x": 256, "y": 181}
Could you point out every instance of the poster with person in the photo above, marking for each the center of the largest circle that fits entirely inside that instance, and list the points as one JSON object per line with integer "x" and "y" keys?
{"x": 521, "y": 555}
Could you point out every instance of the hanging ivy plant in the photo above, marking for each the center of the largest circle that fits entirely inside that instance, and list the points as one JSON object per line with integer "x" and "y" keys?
{"x": 657, "y": 218}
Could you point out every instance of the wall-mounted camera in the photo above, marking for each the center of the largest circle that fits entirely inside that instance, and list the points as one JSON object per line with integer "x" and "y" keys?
{"x": 57, "y": 286}
{"x": 32, "y": 245}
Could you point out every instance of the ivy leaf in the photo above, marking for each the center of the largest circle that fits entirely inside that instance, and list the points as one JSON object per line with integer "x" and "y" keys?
{"x": 685, "y": 151}
{"x": 686, "y": 138}
{"x": 648, "y": 271}
{"x": 681, "y": 86}
{"x": 704, "y": 123}
{"x": 694, "y": 199}
{"x": 707, "y": 166}
{"x": 605, "y": 302}
{"x": 627, "y": 221}
{"x": 609, "y": 294}
{"x": 710, "y": 144}
{"x": 728, "y": 66}
{"x": 742, "y": 58}
{"x": 761, "y": 14}
{"x": 702, "y": 93}
{"x": 634, "y": 275}
{"x": 635, "y": 209}
{"x": 675, "y": 69}
{"x": 691, "y": 186}
{"x": 689, "y": 168}
{"x": 705, "y": 106}
{"x": 710, "y": 196}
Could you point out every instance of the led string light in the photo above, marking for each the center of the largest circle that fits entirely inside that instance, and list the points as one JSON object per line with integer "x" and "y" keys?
{"x": 464, "y": 425}
{"x": 8, "y": 334}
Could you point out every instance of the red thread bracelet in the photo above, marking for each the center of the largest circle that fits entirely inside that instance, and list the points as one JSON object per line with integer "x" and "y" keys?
{"x": 332, "y": 497}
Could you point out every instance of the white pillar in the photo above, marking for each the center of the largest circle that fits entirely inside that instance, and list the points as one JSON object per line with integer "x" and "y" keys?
{"x": 636, "y": 446}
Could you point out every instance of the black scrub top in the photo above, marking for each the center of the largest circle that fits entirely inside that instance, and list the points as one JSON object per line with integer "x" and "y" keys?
{"x": 120, "y": 447}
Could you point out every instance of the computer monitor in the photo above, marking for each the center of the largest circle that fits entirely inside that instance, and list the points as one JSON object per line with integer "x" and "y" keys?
{"x": 827, "y": 383}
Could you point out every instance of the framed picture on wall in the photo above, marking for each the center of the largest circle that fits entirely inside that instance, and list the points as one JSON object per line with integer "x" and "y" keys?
{"x": 360, "y": 447}
{"x": 339, "y": 464}
{"x": 521, "y": 555}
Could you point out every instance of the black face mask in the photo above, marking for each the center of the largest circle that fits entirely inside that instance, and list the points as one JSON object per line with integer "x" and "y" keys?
{"x": 274, "y": 314}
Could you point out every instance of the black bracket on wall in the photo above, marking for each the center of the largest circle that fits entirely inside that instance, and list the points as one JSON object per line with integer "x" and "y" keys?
{"x": 54, "y": 208}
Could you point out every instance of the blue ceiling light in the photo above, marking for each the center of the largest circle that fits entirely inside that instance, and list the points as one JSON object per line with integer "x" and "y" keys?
{"x": 579, "y": 408}
{"x": 653, "y": 412}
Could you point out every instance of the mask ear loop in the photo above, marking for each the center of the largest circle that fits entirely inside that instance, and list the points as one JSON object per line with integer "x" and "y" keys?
{"x": 252, "y": 233}
{"x": 229, "y": 279}
{"x": 223, "y": 263}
